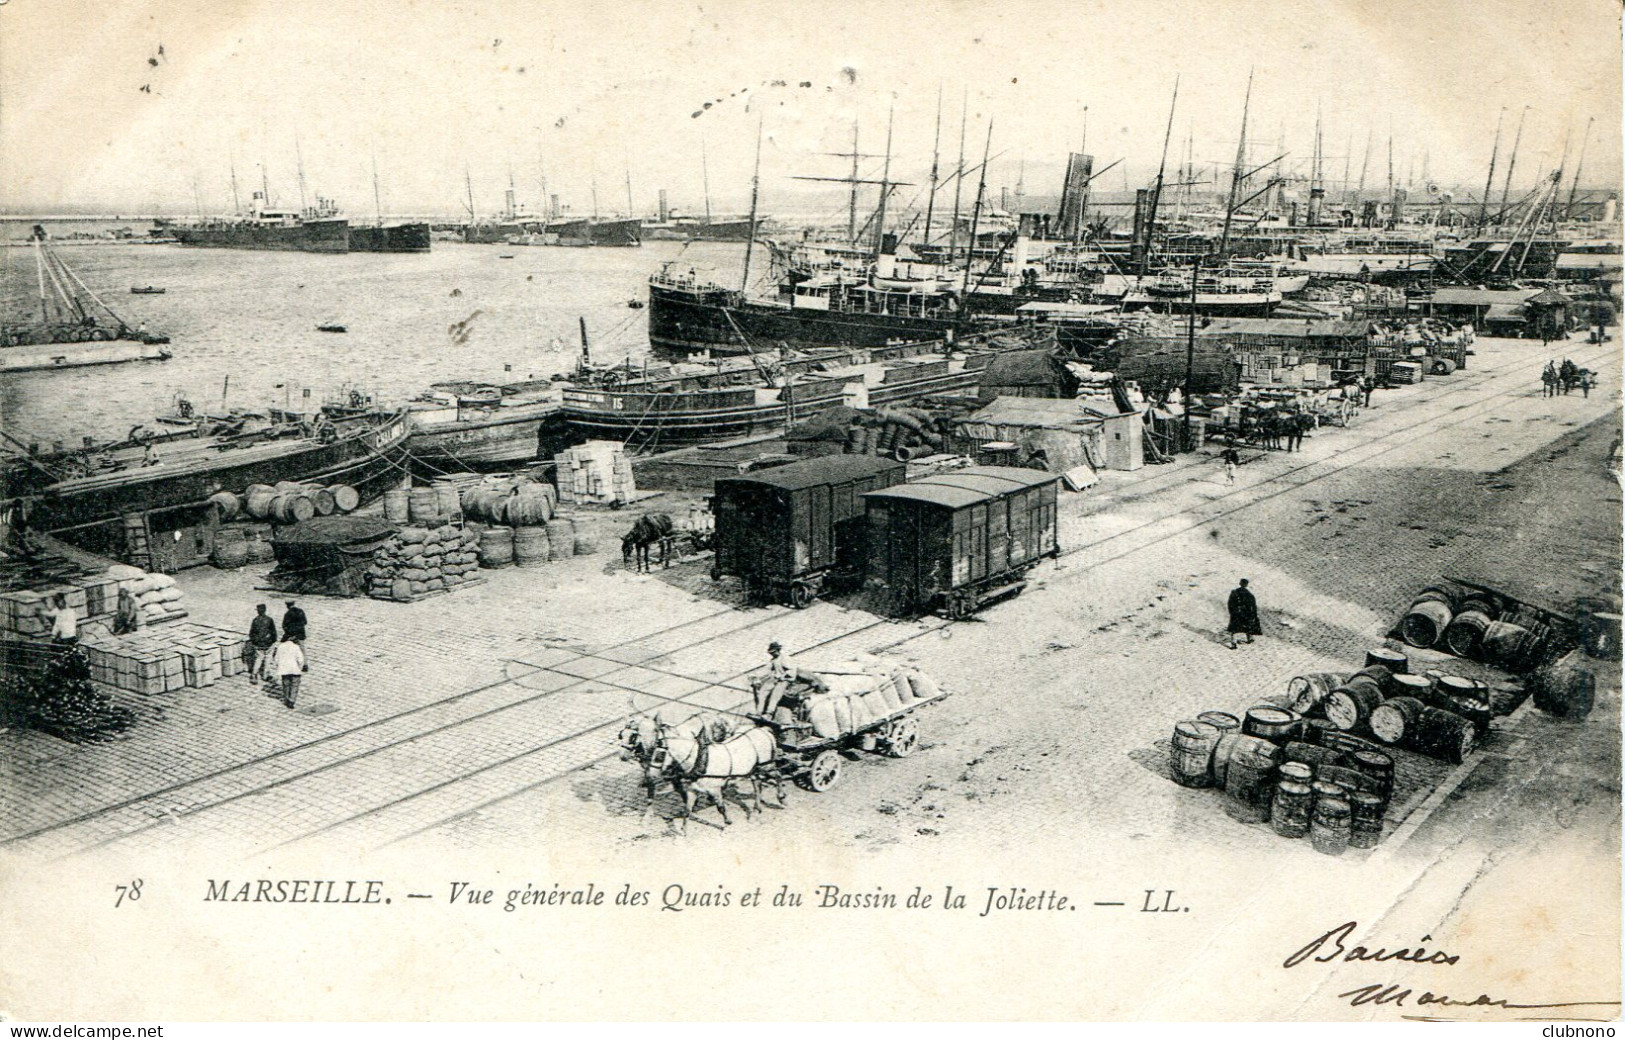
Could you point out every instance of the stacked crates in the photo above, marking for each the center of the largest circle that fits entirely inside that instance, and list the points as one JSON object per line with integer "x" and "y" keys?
{"x": 595, "y": 473}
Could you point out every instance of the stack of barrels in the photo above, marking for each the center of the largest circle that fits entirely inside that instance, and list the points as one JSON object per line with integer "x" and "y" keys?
{"x": 1442, "y": 716}
{"x": 1478, "y": 625}
{"x": 899, "y": 433}
{"x": 517, "y": 502}
{"x": 286, "y": 502}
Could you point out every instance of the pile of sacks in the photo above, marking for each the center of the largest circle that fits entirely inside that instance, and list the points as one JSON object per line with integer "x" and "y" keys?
{"x": 419, "y": 560}
{"x": 856, "y": 694}
{"x": 156, "y": 595}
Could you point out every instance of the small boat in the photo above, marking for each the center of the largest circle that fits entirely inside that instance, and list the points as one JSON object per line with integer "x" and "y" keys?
{"x": 636, "y": 305}
{"x": 504, "y": 256}
{"x": 147, "y": 290}
{"x": 331, "y": 328}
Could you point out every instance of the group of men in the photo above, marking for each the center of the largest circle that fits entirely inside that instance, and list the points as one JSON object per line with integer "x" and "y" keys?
{"x": 275, "y": 660}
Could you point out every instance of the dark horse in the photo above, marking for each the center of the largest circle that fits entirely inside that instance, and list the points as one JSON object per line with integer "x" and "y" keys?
{"x": 650, "y": 529}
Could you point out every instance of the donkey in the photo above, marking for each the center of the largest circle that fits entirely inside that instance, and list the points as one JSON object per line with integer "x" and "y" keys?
{"x": 649, "y": 529}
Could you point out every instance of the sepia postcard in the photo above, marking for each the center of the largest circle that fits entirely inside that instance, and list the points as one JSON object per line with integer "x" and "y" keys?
{"x": 905, "y": 510}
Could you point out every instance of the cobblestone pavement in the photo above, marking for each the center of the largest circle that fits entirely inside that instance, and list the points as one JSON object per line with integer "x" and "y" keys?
{"x": 451, "y": 719}
{"x": 484, "y": 720}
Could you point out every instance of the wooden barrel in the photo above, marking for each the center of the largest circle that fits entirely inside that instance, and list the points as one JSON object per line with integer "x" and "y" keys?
{"x": 1328, "y": 789}
{"x": 1393, "y": 719}
{"x": 1376, "y": 765}
{"x": 563, "y": 544}
{"x": 1223, "y": 721}
{"x": 531, "y": 545}
{"x": 1311, "y": 755}
{"x": 1350, "y": 780}
{"x": 1465, "y": 633}
{"x": 1349, "y": 707}
{"x": 1565, "y": 688}
{"x": 395, "y": 506}
{"x": 1306, "y": 692}
{"x": 1425, "y": 622}
{"x": 345, "y": 497}
{"x": 1221, "y": 756}
{"x": 1396, "y": 662}
{"x": 1512, "y": 646}
{"x": 289, "y": 485}
{"x": 423, "y": 506}
{"x": 1301, "y": 772}
{"x": 258, "y": 501}
{"x": 323, "y": 500}
{"x": 1248, "y": 779}
{"x": 1442, "y": 734}
{"x": 1365, "y": 819}
{"x": 1329, "y": 828}
{"x": 446, "y": 500}
{"x": 1191, "y": 754}
{"x": 1418, "y": 686}
{"x": 226, "y": 504}
{"x": 496, "y": 547}
{"x": 1602, "y": 634}
{"x": 1347, "y": 743}
{"x": 1290, "y": 808}
{"x": 1466, "y": 697}
{"x": 528, "y": 506}
{"x": 230, "y": 549}
{"x": 1314, "y": 730}
{"x": 1446, "y": 592}
{"x": 1270, "y": 723}
{"x": 1486, "y": 603}
{"x": 1375, "y": 675}
{"x": 291, "y": 507}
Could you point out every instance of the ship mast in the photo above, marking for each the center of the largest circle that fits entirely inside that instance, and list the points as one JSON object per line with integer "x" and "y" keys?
{"x": 630, "y": 212}
{"x": 1489, "y": 181}
{"x": 1512, "y": 162}
{"x": 959, "y": 175}
{"x": 976, "y": 211}
{"x": 468, "y": 182}
{"x": 299, "y": 158}
{"x": 377, "y": 199}
{"x": 236, "y": 200}
{"x": 885, "y": 188}
{"x": 936, "y": 142}
{"x": 1156, "y": 193}
{"x": 1579, "y": 164}
{"x": 1236, "y": 174}
{"x": 705, "y": 181}
{"x": 1083, "y": 202}
{"x": 755, "y": 193}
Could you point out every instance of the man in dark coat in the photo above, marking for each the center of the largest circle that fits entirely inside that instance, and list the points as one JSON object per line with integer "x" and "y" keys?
{"x": 1243, "y": 614}
{"x": 262, "y": 641}
{"x": 293, "y": 624}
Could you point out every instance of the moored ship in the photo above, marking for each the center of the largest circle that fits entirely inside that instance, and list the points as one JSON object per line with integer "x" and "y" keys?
{"x": 474, "y": 426}
{"x": 318, "y": 229}
{"x": 389, "y": 238}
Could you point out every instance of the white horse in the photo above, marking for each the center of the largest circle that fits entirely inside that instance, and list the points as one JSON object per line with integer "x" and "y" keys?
{"x": 730, "y": 756}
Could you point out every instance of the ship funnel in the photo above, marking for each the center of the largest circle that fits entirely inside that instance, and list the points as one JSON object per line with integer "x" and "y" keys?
{"x": 888, "y": 244}
{"x": 665, "y": 213}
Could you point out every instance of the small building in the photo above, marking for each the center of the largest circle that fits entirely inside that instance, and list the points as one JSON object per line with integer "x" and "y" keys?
{"x": 1503, "y": 312}
{"x": 1057, "y": 435}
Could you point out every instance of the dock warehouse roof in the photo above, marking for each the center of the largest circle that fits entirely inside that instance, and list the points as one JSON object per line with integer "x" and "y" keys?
{"x": 1304, "y": 328}
{"x": 1044, "y": 412}
{"x": 1457, "y": 297}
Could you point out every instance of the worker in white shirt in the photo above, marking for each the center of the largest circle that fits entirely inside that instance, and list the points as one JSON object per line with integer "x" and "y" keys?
{"x": 64, "y": 621}
{"x": 290, "y": 666}
{"x": 781, "y": 672}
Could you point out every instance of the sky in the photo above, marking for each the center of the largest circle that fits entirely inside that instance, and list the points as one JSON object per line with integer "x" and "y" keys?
{"x": 446, "y": 95}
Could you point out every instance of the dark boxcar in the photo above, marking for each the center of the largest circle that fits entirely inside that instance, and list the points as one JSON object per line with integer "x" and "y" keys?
{"x": 957, "y": 540}
{"x": 789, "y": 529}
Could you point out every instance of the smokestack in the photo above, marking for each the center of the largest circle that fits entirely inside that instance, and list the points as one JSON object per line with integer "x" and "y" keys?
{"x": 553, "y": 209}
{"x": 1316, "y": 197}
{"x": 1142, "y": 201}
{"x": 665, "y": 214}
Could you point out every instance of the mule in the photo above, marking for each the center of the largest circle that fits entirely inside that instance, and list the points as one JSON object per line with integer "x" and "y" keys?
{"x": 649, "y": 529}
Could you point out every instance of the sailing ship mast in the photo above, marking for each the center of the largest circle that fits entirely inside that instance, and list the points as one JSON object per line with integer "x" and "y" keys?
{"x": 236, "y": 201}
{"x": 1579, "y": 164}
{"x": 1237, "y": 174}
{"x": 377, "y": 199}
{"x": 936, "y": 142}
{"x": 755, "y": 192}
{"x": 976, "y": 211}
{"x": 1489, "y": 180}
{"x": 1512, "y": 162}
{"x": 299, "y": 158}
{"x": 959, "y": 174}
{"x": 1156, "y": 193}
{"x": 705, "y": 182}
{"x": 885, "y": 189}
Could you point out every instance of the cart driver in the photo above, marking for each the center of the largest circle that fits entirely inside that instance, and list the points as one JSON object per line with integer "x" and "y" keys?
{"x": 781, "y": 672}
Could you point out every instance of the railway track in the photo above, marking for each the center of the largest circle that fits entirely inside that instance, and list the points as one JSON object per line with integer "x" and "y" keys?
{"x": 536, "y": 763}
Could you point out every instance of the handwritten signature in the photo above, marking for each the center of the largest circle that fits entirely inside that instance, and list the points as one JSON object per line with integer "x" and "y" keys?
{"x": 1329, "y": 947}
{"x": 1393, "y": 995}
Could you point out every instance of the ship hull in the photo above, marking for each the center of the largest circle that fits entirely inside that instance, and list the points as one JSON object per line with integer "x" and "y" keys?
{"x": 311, "y": 236}
{"x": 478, "y": 444}
{"x": 371, "y": 461}
{"x": 592, "y": 416}
{"x": 588, "y": 232}
{"x": 391, "y": 238}
{"x": 44, "y": 356}
{"x": 682, "y": 322}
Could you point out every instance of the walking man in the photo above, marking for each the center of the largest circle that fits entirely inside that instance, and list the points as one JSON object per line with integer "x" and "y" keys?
{"x": 1231, "y": 460}
{"x": 127, "y": 617}
{"x": 261, "y": 643}
{"x": 293, "y": 623}
{"x": 290, "y": 666}
{"x": 1243, "y": 614}
{"x": 1370, "y": 384}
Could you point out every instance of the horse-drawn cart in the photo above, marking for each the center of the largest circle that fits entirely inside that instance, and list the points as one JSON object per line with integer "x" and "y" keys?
{"x": 812, "y": 747}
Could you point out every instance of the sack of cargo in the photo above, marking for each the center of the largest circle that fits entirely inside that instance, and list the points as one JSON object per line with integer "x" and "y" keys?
{"x": 843, "y": 713}
{"x": 845, "y": 684}
{"x": 861, "y": 713}
{"x": 414, "y": 573}
{"x": 433, "y": 550}
{"x": 821, "y": 713}
{"x": 434, "y": 584}
{"x": 923, "y": 685}
{"x": 123, "y": 571}
{"x": 886, "y": 693}
{"x": 905, "y": 685}
{"x": 414, "y": 535}
{"x": 401, "y": 589}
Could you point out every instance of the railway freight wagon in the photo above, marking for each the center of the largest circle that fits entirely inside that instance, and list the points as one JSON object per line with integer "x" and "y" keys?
{"x": 789, "y": 530}
{"x": 957, "y": 541}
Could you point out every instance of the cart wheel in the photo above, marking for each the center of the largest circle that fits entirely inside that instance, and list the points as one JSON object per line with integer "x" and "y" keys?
{"x": 801, "y": 595}
{"x": 825, "y": 770}
{"x": 902, "y": 737}
{"x": 958, "y": 608}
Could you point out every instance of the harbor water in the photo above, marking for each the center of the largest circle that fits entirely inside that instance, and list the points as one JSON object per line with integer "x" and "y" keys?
{"x": 458, "y": 312}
